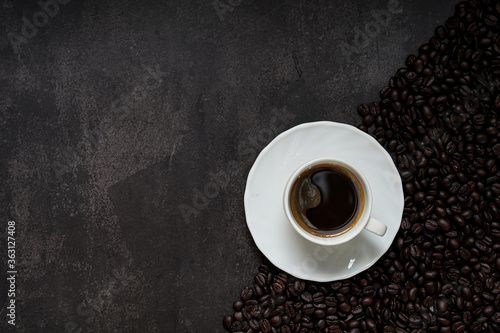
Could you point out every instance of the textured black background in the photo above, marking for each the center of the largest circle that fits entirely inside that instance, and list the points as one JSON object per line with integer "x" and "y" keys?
{"x": 97, "y": 155}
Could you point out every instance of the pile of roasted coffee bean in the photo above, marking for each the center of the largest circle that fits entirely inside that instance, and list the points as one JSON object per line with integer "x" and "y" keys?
{"x": 439, "y": 117}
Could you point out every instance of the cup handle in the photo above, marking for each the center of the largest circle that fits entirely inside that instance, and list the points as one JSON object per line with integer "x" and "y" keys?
{"x": 376, "y": 227}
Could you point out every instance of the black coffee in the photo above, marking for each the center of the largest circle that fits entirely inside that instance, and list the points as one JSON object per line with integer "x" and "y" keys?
{"x": 326, "y": 199}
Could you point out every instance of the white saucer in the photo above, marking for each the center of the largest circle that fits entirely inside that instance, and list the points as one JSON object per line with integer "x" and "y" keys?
{"x": 268, "y": 224}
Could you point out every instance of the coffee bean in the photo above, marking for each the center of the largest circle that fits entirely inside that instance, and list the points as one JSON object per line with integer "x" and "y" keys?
{"x": 418, "y": 65}
{"x": 488, "y": 310}
{"x": 255, "y": 311}
{"x": 334, "y": 329}
{"x": 306, "y": 325}
{"x": 444, "y": 224}
{"x": 374, "y": 109}
{"x": 254, "y": 324}
{"x": 416, "y": 228}
{"x": 238, "y": 316}
{"x": 366, "y": 301}
{"x": 363, "y": 110}
{"x": 275, "y": 321}
{"x": 280, "y": 299}
{"x": 260, "y": 279}
{"x": 442, "y": 305}
{"x": 344, "y": 307}
{"x": 263, "y": 299}
{"x": 458, "y": 327}
{"x": 246, "y": 311}
{"x": 266, "y": 312}
{"x": 265, "y": 326}
{"x": 431, "y": 225}
{"x": 330, "y": 301}
{"x": 431, "y": 274}
{"x": 426, "y": 111}
{"x": 238, "y": 305}
{"x": 393, "y": 289}
{"x": 308, "y": 309}
{"x": 357, "y": 310}
{"x": 497, "y": 302}
{"x": 246, "y": 293}
{"x": 306, "y": 296}
{"x": 278, "y": 286}
{"x": 431, "y": 287}
{"x": 368, "y": 120}
{"x": 447, "y": 289}
{"x": 318, "y": 313}
{"x": 464, "y": 253}
{"x": 318, "y": 297}
{"x": 482, "y": 246}
{"x": 496, "y": 149}
{"x": 227, "y": 321}
{"x": 491, "y": 20}
{"x": 235, "y": 326}
{"x": 286, "y": 329}
{"x": 467, "y": 292}
{"x": 320, "y": 324}
{"x": 299, "y": 286}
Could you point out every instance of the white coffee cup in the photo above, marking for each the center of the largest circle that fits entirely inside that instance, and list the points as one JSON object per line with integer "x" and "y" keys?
{"x": 363, "y": 220}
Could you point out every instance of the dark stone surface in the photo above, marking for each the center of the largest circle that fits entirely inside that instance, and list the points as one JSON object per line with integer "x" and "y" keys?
{"x": 98, "y": 154}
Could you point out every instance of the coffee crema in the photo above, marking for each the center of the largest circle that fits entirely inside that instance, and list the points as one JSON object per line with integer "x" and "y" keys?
{"x": 326, "y": 200}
